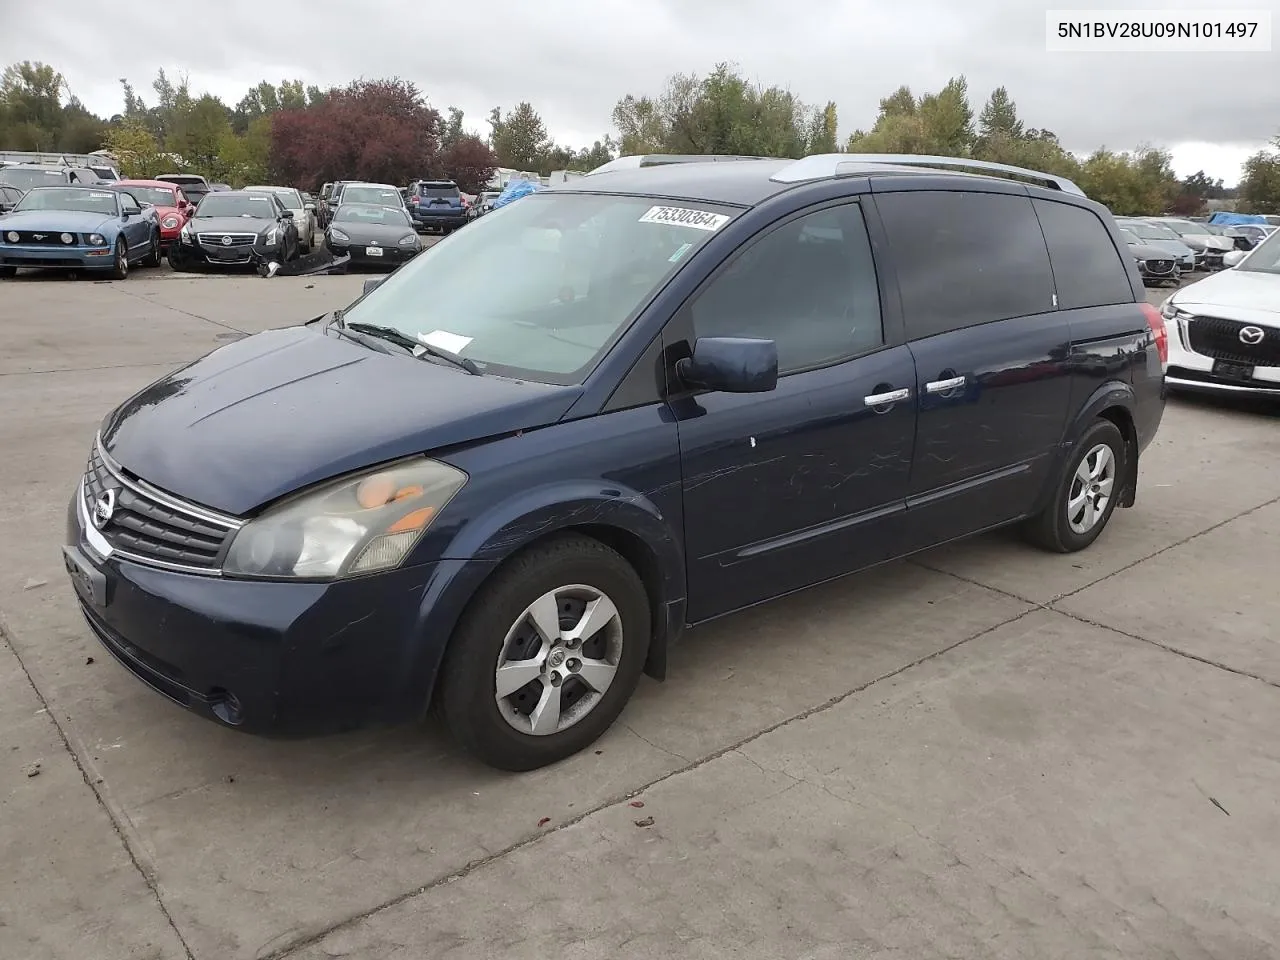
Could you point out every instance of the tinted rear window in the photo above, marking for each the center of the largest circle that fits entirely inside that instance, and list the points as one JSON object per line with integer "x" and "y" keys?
{"x": 1086, "y": 265}
{"x": 966, "y": 258}
{"x": 444, "y": 190}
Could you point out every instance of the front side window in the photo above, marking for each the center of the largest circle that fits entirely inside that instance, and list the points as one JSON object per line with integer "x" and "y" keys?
{"x": 542, "y": 288}
{"x": 965, "y": 259}
{"x": 809, "y": 285}
{"x": 1087, "y": 268}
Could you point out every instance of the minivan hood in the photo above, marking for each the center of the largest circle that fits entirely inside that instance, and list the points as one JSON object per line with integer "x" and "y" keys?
{"x": 281, "y": 410}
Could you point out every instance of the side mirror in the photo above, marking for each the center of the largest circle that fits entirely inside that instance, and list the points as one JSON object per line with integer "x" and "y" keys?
{"x": 370, "y": 285}
{"x": 310, "y": 206}
{"x": 288, "y": 214}
{"x": 1233, "y": 258}
{"x": 731, "y": 365}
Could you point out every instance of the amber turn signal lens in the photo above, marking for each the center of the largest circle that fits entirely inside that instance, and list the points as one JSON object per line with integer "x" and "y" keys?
{"x": 413, "y": 521}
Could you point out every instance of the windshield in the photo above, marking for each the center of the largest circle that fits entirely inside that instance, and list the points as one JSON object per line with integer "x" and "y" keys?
{"x": 361, "y": 213}
{"x": 1128, "y": 236}
{"x": 1265, "y": 257}
{"x": 221, "y": 205}
{"x": 289, "y": 198}
{"x": 160, "y": 196}
{"x": 1185, "y": 228}
{"x": 575, "y": 270}
{"x": 70, "y": 198}
{"x": 1149, "y": 231}
{"x": 26, "y": 179}
{"x": 379, "y": 195}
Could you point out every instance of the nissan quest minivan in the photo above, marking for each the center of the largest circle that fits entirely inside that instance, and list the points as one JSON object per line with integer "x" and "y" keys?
{"x": 694, "y": 385}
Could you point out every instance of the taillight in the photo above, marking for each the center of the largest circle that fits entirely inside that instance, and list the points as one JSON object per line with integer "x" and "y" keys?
{"x": 1159, "y": 331}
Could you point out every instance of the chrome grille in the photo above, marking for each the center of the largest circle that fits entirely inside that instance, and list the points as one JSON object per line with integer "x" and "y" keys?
{"x": 1159, "y": 266}
{"x": 216, "y": 239}
{"x": 152, "y": 527}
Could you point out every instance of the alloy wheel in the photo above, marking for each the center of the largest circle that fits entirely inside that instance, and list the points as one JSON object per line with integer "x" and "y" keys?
{"x": 558, "y": 660}
{"x": 1091, "y": 488}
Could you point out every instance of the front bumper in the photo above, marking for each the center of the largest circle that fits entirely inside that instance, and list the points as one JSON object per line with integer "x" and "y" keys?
{"x": 271, "y": 657}
{"x": 51, "y": 257}
{"x": 359, "y": 253}
{"x": 1205, "y": 364}
{"x": 231, "y": 256}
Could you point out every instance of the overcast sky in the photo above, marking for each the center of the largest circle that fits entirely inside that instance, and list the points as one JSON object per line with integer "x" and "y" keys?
{"x": 574, "y": 58}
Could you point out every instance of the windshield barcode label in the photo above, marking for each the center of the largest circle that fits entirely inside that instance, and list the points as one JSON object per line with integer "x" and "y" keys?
{"x": 682, "y": 217}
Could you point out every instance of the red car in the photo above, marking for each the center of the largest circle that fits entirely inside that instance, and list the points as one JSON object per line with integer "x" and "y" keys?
{"x": 173, "y": 209}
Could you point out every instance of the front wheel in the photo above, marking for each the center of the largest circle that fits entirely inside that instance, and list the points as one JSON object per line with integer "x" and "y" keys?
{"x": 1086, "y": 493}
{"x": 120, "y": 266}
{"x": 154, "y": 255}
{"x": 547, "y": 655}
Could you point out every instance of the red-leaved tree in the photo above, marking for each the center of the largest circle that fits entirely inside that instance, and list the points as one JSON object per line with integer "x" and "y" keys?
{"x": 377, "y": 130}
{"x": 469, "y": 163}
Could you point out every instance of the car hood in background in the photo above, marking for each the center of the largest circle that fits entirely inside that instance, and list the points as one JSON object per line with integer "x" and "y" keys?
{"x": 1145, "y": 251}
{"x": 70, "y": 221}
{"x": 229, "y": 224}
{"x": 285, "y": 409}
{"x": 1234, "y": 295}
{"x": 378, "y": 233}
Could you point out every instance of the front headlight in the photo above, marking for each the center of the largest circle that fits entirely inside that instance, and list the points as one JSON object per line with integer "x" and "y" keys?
{"x": 338, "y": 235}
{"x": 96, "y": 239}
{"x": 271, "y": 235}
{"x": 409, "y": 241}
{"x": 185, "y": 235}
{"x": 169, "y": 222}
{"x": 1170, "y": 311}
{"x": 349, "y": 527}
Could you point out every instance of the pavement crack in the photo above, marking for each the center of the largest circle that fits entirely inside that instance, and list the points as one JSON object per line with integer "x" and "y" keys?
{"x": 121, "y": 834}
{"x": 670, "y": 753}
{"x": 735, "y": 747}
{"x": 186, "y": 313}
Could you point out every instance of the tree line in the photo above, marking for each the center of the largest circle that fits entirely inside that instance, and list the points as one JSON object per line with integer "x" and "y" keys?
{"x": 386, "y": 130}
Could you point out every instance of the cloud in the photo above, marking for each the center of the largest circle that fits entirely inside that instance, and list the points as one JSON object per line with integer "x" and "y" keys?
{"x": 574, "y": 58}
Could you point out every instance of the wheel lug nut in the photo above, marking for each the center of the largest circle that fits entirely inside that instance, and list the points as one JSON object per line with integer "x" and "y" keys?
{"x": 574, "y": 664}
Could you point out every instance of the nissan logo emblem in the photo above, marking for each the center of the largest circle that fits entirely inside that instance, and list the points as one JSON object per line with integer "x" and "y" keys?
{"x": 104, "y": 508}
{"x": 1251, "y": 336}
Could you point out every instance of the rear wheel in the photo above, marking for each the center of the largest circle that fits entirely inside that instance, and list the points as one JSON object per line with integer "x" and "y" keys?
{"x": 547, "y": 655}
{"x": 120, "y": 266}
{"x": 1086, "y": 494}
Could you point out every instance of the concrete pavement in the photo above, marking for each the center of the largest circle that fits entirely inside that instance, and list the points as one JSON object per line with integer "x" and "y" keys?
{"x": 985, "y": 752}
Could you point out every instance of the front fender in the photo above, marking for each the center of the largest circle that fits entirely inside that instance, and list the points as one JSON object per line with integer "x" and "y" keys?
{"x": 499, "y": 532}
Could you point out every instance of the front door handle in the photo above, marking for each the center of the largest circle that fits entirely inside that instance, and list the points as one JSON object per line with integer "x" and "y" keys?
{"x": 942, "y": 386}
{"x": 880, "y": 399}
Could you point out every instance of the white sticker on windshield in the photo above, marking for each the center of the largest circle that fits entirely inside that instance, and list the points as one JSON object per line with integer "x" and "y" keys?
{"x": 99, "y": 196}
{"x": 684, "y": 217}
{"x": 454, "y": 343}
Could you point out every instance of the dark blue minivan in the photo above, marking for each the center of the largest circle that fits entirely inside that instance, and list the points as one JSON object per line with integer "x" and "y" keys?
{"x": 690, "y": 387}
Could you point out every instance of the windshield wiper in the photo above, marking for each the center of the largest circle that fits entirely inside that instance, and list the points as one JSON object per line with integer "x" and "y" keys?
{"x": 417, "y": 347}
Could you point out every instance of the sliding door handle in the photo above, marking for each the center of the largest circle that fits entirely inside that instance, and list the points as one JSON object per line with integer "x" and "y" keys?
{"x": 943, "y": 386}
{"x": 881, "y": 399}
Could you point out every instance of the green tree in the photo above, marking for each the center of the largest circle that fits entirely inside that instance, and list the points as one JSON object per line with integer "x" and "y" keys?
{"x": 452, "y": 131}
{"x": 936, "y": 123}
{"x": 199, "y": 135}
{"x": 1260, "y": 185}
{"x": 519, "y": 137}
{"x": 133, "y": 144}
{"x": 31, "y": 98}
{"x": 823, "y": 129}
{"x": 999, "y": 118}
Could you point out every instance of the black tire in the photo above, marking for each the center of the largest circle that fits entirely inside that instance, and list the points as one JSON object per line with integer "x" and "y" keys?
{"x": 120, "y": 267}
{"x": 466, "y": 697}
{"x": 1051, "y": 528}
{"x": 7, "y": 273}
{"x": 154, "y": 257}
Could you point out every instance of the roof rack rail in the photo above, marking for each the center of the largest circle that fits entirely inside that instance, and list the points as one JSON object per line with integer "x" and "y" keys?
{"x": 824, "y": 165}
{"x": 636, "y": 161}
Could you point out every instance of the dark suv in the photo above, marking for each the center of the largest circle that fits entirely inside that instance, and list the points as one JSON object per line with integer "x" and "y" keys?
{"x": 697, "y": 387}
{"x": 437, "y": 205}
